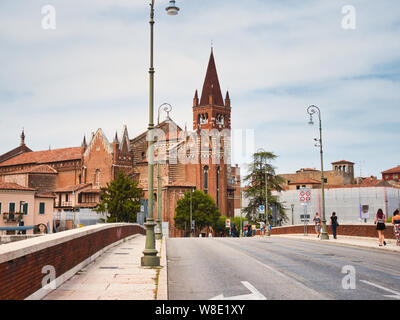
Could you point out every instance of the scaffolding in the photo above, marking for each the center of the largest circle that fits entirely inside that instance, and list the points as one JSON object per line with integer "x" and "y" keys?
{"x": 352, "y": 205}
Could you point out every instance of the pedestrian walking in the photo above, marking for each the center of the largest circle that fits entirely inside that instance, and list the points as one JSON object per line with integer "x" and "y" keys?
{"x": 317, "y": 221}
{"x": 396, "y": 225}
{"x": 262, "y": 228}
{"x": 253, "y": 229}
{"x": 210, "y": 231}
{"x": 234, "y": 231}
{"x": 334, "y": 224}
{"x": 249, "y": 230}
{"x": 380, "y": 219}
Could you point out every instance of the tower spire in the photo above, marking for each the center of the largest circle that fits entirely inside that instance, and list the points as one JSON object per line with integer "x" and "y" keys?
{"x": 196, "y": 99}
{"x": 84, "y": 144}
{"x": 227, "y": 100}
{"x": 211, "y": 85}
{"x": 22, "y": 137}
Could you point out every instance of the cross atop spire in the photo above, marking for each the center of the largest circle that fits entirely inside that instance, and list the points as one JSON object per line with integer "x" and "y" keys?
{"x": 211, "y": 87}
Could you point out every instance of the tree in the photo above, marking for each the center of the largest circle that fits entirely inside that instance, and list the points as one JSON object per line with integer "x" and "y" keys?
{"x": 121, "y": 198}
{"x": 255, "y": 191}
{"x": 219, "y": 227}
{"x": 204, "y": 211}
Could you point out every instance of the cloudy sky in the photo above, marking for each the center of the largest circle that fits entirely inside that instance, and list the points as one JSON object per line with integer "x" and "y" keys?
{"x": 275, "y": 58}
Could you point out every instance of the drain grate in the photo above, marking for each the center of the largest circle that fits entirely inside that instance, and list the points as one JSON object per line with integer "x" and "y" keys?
{"x": 108, "y": 267}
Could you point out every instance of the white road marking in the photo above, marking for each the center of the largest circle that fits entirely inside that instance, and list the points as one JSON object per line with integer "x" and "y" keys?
{"x": 254, "y": 295}
{"x": 291, "y": 277}
{"x": 395, "y": 296}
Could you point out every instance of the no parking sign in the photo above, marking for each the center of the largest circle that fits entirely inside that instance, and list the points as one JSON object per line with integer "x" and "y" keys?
{"x": 305, "y": 196}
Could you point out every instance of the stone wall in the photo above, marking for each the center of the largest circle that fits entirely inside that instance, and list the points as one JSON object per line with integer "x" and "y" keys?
{"x": 22, "y": 263}
{"x": 356, "y": 230}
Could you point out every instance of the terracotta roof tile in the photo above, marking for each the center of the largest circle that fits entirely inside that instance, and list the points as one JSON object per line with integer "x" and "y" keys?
{"x": 44, "y": 168}
{"x": 14, "y": 152}
{"x": 14, "y": 186}
{"x": 367, "y": 184}
{"x": 73, "y": 188}
{"x": 48, "y": 156}
{"x": 393, "y": 170}
{"x": 307, "y": 181}
{"x": 342, "y": 161}
{"x": 42, "y": 195}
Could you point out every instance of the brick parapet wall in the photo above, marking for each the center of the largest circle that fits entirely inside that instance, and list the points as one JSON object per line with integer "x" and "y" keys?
{"x": 21, "y": 263}
{"x": 356, "y": 230}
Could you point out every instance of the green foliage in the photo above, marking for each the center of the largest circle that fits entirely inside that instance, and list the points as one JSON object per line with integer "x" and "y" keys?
{"x": 204, "y": 211}
{"x": 260, "y": 170}
{"x": 219, "y": 227}
{"x": 121, "y": 197}
{"x": 389, "y": 220}
{"x": 236, "y": 220}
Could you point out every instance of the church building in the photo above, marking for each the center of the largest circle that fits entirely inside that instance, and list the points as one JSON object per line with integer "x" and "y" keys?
{"x": 187, "y": 161}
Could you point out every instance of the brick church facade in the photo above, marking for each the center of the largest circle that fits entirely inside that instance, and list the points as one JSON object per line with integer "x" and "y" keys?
{"x": 196, "y": 160}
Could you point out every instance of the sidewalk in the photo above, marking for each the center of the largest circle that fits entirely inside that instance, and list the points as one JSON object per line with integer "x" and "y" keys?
{"x": 117, "y": 275}
{"x": 363, "y": 242}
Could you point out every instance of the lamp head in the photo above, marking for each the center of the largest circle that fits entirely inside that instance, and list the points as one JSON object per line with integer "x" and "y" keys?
{"x": 172, "y": 10}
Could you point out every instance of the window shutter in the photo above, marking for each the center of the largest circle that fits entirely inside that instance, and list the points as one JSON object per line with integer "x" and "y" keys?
{"x": 25, "y": 208}
{"x": 41, "y": 207}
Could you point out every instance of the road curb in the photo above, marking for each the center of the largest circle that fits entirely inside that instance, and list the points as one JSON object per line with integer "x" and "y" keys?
{"x": 385, "y": 248}
{"x": 162, "y": 290}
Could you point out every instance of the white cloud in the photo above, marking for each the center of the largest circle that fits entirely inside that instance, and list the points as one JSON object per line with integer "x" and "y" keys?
{"x": 276, "y": 58}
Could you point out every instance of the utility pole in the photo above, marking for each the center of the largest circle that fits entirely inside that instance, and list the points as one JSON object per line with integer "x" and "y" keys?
{"x": 191, "y": 221}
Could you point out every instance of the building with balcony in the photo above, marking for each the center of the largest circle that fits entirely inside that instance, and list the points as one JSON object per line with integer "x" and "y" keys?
{"x": 24, "y": 206}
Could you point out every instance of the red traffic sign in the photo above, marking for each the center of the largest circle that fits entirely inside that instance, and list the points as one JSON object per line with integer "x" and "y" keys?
{"x": 305, "y": 196}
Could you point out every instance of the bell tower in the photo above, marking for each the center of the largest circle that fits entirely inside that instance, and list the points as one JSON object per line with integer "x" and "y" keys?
{"x": 211, "y": 111}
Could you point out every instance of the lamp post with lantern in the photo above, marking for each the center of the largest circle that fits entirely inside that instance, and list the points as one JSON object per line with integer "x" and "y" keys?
{"x": 150, "y": 258}
{"x": 312, "y": 110}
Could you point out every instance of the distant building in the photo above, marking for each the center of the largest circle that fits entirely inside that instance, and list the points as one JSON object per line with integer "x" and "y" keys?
{"x": 73, "y": 175}
{"x": 342, "y": 173}
{"x": 191, "y": 160}
{"x": 24, "y": 206}
{"x": 391, "y": 174}
{"x": 22, "y": 148}
{"x": 352, "y": 203}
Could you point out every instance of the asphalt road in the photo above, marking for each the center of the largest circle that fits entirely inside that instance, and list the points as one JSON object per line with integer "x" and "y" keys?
{"x": 278, "y": 269}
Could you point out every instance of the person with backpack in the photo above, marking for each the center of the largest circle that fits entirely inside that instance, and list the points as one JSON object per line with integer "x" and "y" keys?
{"x": 380, "y": 219}
{"x": 334, "y": 224}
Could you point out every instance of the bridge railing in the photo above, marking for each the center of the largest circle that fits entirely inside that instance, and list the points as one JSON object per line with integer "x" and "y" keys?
{"x": 32, "y": 268}
{"x": 355, "y": 230}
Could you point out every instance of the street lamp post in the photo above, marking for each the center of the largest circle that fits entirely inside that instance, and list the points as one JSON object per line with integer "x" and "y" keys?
{"x": 191, "y": 221}
{"x": 292, "y": 205}
{"x": 159, "y": 234}
{"x": 266, "y": 192}
{"x": 311, "y": 110}
{"x": 241, "y": 220}
{"x": 150, "y": 258}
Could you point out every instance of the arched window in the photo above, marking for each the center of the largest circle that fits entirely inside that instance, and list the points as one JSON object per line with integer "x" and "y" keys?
{"x": 205, "y": 179}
